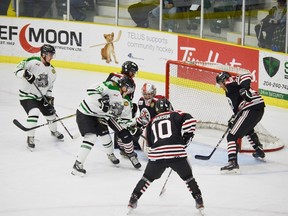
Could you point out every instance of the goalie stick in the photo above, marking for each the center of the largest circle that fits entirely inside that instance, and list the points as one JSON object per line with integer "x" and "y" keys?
{"x": 19, "y": 125}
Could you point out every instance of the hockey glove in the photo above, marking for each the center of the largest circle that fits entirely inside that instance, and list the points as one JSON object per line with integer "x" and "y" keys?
{"x": 29, "y": 76}
{"x": 48, "y": 102}
{"x": 231, "y": 121}
{"x": 187, "y": 137}
{"x": 137, "y": 132}
{"x": 49, "y": 99}
{"x": 245, "y": 94}
{"x": 134, "y": 110}
{"x": 104, "y": 103}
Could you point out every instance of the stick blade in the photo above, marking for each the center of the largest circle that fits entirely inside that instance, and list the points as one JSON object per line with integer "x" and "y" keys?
{"x": 202, "y": 157}
{"x": 19, "y": 125}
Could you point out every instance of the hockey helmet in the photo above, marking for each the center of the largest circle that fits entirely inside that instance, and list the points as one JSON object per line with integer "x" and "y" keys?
{"x": 221, "y": 77}
{"x": 129, "y": 68}
{"x": 148, "y": 91}
{"x": 163, "y": 105}
{"x": 127, "y": 82}
{"x": 47, "y": 48}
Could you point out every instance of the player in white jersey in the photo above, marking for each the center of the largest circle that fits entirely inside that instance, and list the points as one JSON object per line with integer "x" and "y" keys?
{"x": 103, "y": 105}
{"x": 38, "y": 77}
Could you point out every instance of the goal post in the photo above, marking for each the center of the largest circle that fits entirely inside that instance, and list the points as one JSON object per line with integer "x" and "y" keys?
{"x": 191, "y": 87}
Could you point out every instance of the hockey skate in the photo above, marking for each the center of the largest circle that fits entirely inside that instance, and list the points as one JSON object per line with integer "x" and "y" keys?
{"x": 123, "y": 153}
{"x": 231, "y": 168}
{"x": 57, "y": 134}
{"x": 132, "y": 203}
{"x": 259, "y": 153}
{"x": 78, "y": 169}
{"x": 113, "y": 158}
{"x": 199, "y": 201}
{"x": 31, "y": 143}
{"x": 134, "y": 160}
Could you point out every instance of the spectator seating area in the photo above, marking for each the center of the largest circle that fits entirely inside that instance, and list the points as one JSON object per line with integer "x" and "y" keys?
{"x": 222, "y": 22}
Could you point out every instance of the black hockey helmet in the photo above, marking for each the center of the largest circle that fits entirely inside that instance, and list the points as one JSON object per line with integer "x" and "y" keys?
{"x": 163, "y": 105}
{"x": 47, "y": 48}
{"x": 221, "y": 77}
{"x": 128, "y": 82}
{"x": 129, "y": 66}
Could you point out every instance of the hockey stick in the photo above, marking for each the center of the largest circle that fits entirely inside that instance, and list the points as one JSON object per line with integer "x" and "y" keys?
{"x": 45, "y": 99}
{"x": 203, "y": 157}
{"x": 117, "y": 39}
{"x": 19, "y": 125}
{"x": 163, "y": 188}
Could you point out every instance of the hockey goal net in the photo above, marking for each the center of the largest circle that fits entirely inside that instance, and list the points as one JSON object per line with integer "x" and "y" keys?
{"x": 191, "y": 87}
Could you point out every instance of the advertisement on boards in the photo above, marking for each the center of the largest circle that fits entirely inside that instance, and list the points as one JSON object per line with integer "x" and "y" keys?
{"x": 88, "y": 43}
{"x": 273, "y": 80}
{"x": 191, "y": 49}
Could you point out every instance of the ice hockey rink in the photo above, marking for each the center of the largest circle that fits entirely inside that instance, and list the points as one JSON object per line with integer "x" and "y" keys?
{"x": 40, "y": 183}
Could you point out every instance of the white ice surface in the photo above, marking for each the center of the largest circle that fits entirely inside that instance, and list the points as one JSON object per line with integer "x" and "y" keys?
{"x": 39, "y": 183}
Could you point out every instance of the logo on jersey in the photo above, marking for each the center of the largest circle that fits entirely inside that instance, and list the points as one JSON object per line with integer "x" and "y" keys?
{"x": 126, "y": 103}
{"x": 42, "y": 81}
{"x": 145, "y": 116}
{"x": 271, "y": 65}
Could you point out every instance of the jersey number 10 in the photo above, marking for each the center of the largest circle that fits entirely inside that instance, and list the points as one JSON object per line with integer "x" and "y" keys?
{"x": 164, "y": 130}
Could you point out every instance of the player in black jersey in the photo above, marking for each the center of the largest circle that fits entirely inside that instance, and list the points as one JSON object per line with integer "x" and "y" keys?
{"x": 248, "y": 107}
{"x": 168, "y": 134}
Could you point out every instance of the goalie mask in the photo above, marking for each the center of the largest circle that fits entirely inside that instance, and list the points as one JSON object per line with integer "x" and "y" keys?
{"x": 148, "y": 92}
{"x": 163, "y": 105}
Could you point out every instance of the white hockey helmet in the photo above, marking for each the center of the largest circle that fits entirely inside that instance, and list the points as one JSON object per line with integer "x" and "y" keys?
{"x": 148, "y": 91}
